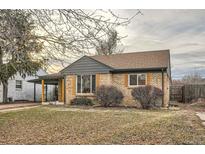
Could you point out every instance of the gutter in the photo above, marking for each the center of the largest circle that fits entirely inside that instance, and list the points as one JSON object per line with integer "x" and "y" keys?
{"x": 159, "y": 69}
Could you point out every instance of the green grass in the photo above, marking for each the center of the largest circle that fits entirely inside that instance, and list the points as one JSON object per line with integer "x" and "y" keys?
{"x": 50, "y": 125}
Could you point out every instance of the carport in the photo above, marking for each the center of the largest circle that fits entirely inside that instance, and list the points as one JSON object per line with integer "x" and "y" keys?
{"x": 52, "y": 79}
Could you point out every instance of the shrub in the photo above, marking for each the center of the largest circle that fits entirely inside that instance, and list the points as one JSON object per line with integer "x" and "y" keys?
{"x": 81, "y": 101}
{"x": 146, "y": 95}
{"x": 108, "y": 95}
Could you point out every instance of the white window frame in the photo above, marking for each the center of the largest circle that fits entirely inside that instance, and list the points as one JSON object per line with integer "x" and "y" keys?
{"x": 81, "y": 93}
{"x": 19, "y": 89}
{"x": 137, "y": 79}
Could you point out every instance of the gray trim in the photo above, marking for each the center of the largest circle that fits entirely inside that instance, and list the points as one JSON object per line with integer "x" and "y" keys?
{"x": 100, "y": 62}
{"x": 86, "y": 65}
{"x": 63, "y": 70}
{"x": 66, "y": 68}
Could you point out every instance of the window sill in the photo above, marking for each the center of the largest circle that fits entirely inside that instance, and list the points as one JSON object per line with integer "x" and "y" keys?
{"x": 131, "y": 87}
{"x": 85, "y": 94}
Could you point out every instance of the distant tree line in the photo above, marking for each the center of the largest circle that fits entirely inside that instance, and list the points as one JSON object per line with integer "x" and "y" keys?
{"x": 191, "y": 78}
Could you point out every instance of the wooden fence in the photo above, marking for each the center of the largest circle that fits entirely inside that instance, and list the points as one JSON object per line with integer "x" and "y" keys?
{"x": 187, "y": 93}
{"x": 176, "y": 93}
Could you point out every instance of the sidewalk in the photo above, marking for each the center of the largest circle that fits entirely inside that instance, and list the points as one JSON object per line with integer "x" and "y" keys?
{"x": 17, "y": 105}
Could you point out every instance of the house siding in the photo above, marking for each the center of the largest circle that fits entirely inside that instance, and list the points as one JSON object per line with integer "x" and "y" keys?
{"x": 27, "y": 91}
{"x": 86, "y": 65}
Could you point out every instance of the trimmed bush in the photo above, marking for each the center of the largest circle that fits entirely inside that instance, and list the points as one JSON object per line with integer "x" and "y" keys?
{"x": 109, "y": 96}
{"x": 82, "y": 101}
{"x": 147, "y": 95}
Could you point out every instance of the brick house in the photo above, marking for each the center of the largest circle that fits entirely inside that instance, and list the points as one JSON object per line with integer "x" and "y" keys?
{"x": 125, "y": 71}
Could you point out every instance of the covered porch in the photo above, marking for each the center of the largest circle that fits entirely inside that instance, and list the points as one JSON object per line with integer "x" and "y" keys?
{"x": 58, "y": 81}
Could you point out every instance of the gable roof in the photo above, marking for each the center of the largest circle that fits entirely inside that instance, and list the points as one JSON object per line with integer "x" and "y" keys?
{"x": 134, "y": 60}
{"x": 86, "y": 64}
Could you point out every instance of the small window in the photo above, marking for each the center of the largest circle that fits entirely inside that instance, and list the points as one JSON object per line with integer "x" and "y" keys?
{"x": 137, "y": 80}
{"x": 18, "y": 84}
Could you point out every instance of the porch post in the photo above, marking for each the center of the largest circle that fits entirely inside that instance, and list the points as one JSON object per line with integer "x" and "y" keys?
{"x": 34, "y": 92}
{"x": 42, "y": 94}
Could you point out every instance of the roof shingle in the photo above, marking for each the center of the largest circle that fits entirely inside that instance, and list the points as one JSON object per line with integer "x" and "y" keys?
{"x": 146, "y": 59}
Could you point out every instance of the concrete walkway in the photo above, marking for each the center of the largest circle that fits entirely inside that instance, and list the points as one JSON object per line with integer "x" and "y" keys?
{"x": 15, "y": 106}
{"x": 16, "y": 109}
{"x": 201, "y": 115}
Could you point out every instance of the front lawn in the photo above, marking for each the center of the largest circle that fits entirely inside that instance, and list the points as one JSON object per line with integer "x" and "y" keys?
{"x": 53, "y": 125}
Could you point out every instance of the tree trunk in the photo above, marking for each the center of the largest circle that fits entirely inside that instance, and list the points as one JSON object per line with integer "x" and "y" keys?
{"x": 5, "y": 91}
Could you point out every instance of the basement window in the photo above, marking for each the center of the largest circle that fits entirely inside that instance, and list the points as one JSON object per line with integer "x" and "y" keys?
{"x": 18, "y": 85}
{"x": 137, "y": 80}
{"x": 85, "y": 84}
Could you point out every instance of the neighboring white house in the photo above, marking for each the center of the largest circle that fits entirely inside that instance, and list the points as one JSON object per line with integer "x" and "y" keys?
{"x": 20, "y": 89}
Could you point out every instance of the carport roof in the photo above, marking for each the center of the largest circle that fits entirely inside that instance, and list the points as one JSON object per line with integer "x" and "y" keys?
{"x": 48, "y": 79}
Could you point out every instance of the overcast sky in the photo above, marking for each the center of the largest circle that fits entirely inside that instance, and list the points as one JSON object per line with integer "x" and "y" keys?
{"x": 181, "y": 31}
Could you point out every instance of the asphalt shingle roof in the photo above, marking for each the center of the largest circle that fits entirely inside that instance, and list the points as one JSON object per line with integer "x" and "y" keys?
{"x": 133, "y": 60}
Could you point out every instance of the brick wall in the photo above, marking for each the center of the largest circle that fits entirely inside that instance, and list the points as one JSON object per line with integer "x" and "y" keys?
{"x": 59, "y": 91}
{"x": 121, "y": 82}
{"x": 166, "y": 90}
{"x": 155, "y": 79}
{"x": 70, "y": 88}
{"x": 105, "y": 79}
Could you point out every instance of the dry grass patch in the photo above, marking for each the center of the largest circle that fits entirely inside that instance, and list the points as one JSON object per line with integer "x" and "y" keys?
{"x": 46, "y": 125}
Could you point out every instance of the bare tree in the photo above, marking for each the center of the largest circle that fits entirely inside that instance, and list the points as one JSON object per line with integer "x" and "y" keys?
{"x": 108, "y": 45}
{"x": 60, "y": 35}
{"x": 69, "y": 34}
{"x": 193, "y": 78}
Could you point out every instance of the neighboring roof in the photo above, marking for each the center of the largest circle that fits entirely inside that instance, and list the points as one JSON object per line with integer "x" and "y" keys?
{"x": 134, "y": 60}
